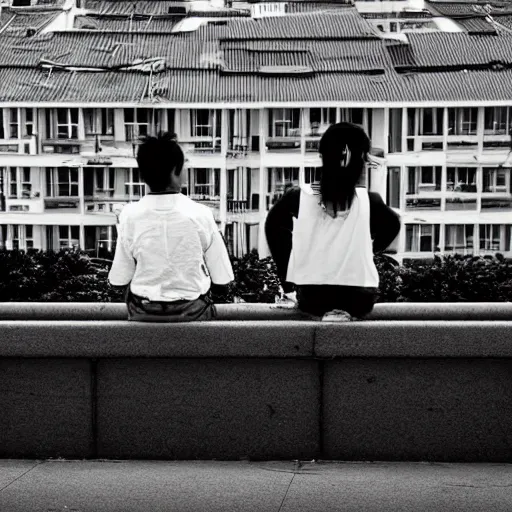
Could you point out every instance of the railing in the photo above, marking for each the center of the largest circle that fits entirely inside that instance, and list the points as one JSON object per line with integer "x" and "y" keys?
{"x": 238, "y": 206}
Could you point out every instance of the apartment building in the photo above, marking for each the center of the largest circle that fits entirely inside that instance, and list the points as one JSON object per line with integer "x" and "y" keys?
{"x": 249, "y": 101}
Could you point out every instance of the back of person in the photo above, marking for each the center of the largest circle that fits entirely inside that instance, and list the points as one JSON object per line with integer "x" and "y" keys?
{"x": 169, "y": 249}
{"x": 343, "y": 245}
{"x": 323, "y": 239}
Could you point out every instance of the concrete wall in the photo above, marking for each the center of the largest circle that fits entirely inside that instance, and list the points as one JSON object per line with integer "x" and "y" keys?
{"x": 263, "y": 390}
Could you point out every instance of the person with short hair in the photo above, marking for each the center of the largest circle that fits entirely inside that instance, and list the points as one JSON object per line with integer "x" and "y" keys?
{"x": 169, "y": 249}
{"x": 323, "y": 238}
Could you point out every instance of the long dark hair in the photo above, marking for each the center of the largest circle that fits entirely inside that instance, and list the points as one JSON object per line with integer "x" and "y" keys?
{"x": 344, "y": 148}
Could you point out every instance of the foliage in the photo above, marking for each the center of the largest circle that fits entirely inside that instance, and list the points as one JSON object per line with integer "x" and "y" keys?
{"x": 37, "y": 276}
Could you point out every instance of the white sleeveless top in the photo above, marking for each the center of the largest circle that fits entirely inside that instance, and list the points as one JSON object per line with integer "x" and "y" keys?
{"x": 332, "y": 251}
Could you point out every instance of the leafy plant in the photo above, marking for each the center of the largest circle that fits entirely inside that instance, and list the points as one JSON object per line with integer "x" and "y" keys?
{"x": 72, "y": 276}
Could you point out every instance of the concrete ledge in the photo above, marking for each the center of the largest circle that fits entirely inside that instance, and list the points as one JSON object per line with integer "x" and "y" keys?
{"x": 275, "y": 389}
{"x": 394, "y": 311}
{"x": 255, "y": 339}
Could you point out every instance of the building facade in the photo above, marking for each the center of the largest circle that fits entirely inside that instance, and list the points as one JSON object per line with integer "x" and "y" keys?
{"x": 249, "y": 103}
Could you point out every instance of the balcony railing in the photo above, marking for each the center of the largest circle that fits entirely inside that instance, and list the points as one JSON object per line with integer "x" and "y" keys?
{"x": 283, "y": 143}
{"x": 238, "y": 206}
{"x": 61, "y": 203}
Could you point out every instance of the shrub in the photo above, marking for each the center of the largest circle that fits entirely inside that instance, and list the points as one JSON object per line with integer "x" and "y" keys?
{"x": 70, "y": 275}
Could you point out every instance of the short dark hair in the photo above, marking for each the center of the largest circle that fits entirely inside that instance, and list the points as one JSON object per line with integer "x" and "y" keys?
{"x": 157, "y": 157}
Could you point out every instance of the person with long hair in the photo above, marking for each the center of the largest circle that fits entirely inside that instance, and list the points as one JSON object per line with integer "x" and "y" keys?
{"x": 323, "y": 238}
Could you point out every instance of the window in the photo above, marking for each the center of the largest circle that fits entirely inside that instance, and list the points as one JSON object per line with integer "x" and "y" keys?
{"x": 490, "y": 237}
{"x": 16, "y": 237}
{"x": 461, "y": 179}
{"x": 100, "y": 240}
{"x": 312, "y": 174}
{"x": 135, "y": 187}
{"x": 62, "y": 182}
{"x": 69, "y": 237}
{"x": 136, "y": 123}
{"x": 321, "y": 118}
{"x": 20, "y": 186}
{"x": 98, "y": 121}
{"x": 29, "y": 237}
{"x": 459, "y": 238}
{"x": 496, "y": 180}
{"x": 393, "y": 188}
{"x": 104, "y": 181}
{"x": 462, "y": 121}
{"x": 431, "y": 121}
{"x": 353, "y": 115}
{"x": 67, "y": 123}
{"x": 422, "y": 237}
{"x": 99, "y": 181}
{"x": 29, "y": 121}
{"x": 423, "y": 180}
{"x": 284, "y": 122}
{"x": 206, "y": 183}
{"x": 497, "y": 120}
{"x": 13, "y": 181}
{"x": 202, "y": 125}
{"x": 13, "y": 123}
{"x": 280, "y": 179}
{"x": 395, "y": 130}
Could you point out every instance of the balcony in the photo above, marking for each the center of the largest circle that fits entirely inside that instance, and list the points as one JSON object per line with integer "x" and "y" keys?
{"x": 283, "y": 144}
{"x": 64, "y": 203}
{"x": 201, "y": 146}
{"x": 18, "y": 146}
{"x": 61, "y": 146}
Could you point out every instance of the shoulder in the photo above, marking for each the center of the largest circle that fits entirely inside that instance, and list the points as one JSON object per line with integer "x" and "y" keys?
{"x": 129, "y": 210}
{"x": 375, "y": 199}
{"x": 197, "y": 212}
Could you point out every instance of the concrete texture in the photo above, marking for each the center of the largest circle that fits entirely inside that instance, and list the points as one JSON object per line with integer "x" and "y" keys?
{"x": 135, "y": 486}
{"x": 11, "y": 470}
{"x": 45, "y": 408}
{"x": 396, "y": 409}
{"x": 414, "y": 339}
{"x": 58, "y": 311}
{"x": 208, "y": 409}
{"x": 46, "y": 338}
{"x": 104, "y": 339}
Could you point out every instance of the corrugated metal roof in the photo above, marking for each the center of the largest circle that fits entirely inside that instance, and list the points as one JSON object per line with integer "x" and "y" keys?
{"x": 445, "y": 49}
{"x": 124, "y": 24}
{"x": 6, "y": 17}
{"x": 476, "y": 25}
{"x": 323, "y": 56}
{"x": 128, "y": 7}
{"x": 340, "y": 24}
{"x": 24, "y": 20}
{"x": 101, "y": 50}
{"x": 28, "y": 85}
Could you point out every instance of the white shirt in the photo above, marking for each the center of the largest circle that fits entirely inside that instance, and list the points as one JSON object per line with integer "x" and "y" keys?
{"x": 332, "y": 251}
{"x": 169, "y": 248}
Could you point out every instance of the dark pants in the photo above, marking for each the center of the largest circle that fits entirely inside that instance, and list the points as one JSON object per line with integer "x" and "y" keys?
{"x": 319, "y": 299}
{"x": 144, "y": 310}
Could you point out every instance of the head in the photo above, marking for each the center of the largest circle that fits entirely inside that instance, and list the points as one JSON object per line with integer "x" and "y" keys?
{"x": 344, "y": 150}
{"x": 160, "y": 160}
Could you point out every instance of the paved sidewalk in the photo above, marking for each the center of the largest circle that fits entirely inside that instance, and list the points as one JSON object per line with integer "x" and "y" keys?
{"x": 153, "y": 486}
